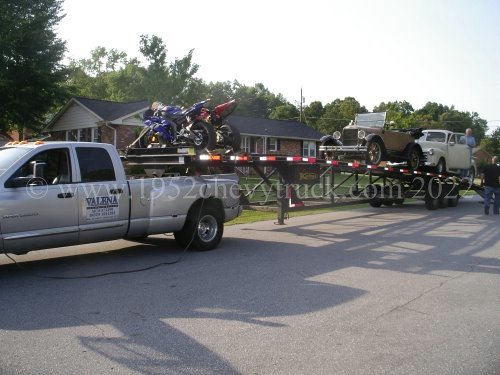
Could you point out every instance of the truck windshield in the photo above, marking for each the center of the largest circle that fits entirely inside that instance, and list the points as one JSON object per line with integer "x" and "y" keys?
{"x": 9, "y": 155}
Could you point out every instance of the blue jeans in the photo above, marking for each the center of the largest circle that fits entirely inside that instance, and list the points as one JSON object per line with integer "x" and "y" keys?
{"x": 489, "y": 191}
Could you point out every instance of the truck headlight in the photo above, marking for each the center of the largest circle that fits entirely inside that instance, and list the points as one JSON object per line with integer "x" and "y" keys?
{"x": 361, "y": 134}
{"x": 336, "y": 135}
{"x": 430, "y": 151}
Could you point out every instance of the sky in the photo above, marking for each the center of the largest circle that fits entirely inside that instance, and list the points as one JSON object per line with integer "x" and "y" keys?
{"x": 444, "y": 51}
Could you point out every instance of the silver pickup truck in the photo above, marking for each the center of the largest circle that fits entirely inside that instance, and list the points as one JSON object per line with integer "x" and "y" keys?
{"x": 57, "y": 194}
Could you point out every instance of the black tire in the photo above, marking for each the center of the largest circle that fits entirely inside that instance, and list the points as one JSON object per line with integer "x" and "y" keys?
{"x": 144, "y": 141}
{"x": 414, "y": 156}
{"x": 453, "y": 202}
{"x": 388, "y": 203}
{"x": 375, "y": 204}
{"x": 327, "y": 155}
{"x": 399, "y": 201}
{"x": 441, "y": 166}
{"x": 231, "y": 136}
{"x": 431, "y": 203}
{"x": 433, "y": 196}
{"x": 204, "y": 228}
{"x": 374, "y": 152}
{"x": 207, "y": 132}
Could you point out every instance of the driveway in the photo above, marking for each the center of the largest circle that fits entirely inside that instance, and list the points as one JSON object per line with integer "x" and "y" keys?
{"x": 392, "y": 290}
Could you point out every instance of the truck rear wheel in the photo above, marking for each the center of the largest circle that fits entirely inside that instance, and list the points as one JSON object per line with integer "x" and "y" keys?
{"x": 203, "y": 228}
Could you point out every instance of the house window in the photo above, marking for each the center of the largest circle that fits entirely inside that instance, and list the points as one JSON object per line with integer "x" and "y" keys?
{"x": 83, "y": 135}
{"x": 245, "y": 144}
{"x": 309, "y": 149}
{"x": 273, "y": 144}
{"x": 96, "y": 135}
{"x": 72, "y": 135}
{"x": 256, "y": 149}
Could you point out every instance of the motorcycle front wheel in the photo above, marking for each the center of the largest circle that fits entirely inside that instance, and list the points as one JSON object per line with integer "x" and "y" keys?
{"x": 205, "y": 135}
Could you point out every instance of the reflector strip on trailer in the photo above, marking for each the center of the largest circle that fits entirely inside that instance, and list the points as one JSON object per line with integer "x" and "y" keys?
{"x": 332, "y": 162}
{"x": 417, "y": 172}
{"x": 211, "y": 157}
{"x": 293, "y": 158}
{"x": 369, "y": 166}
{"x": 404, "y": 170}
{"x": 267, "y": 158}
{"x": 354, "y": 165}
{"x": 389, "y": 169}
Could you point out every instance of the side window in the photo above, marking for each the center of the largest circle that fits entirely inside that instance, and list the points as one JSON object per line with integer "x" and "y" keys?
{"x": 95, "y": 164}
{"x": 49, "y": 167}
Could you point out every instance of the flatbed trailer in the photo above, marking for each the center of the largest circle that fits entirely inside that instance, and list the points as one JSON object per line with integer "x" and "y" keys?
{"x": 383, "y": 184}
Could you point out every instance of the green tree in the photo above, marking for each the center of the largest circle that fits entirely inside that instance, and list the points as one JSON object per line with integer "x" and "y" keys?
{"x": 256, "y": 101}
{"x": 491, "y": 143}
{"x": 31, "y": 71}
{"x": 400, "y": 112}
{"x": 285, "y": 112}
{"x": 338, "y": 114}
{"x": 111, "y": 75}
{"x": 313, "y": 112}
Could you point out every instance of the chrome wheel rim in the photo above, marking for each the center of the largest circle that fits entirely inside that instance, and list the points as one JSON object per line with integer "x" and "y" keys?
{"x": 207, "y": 228}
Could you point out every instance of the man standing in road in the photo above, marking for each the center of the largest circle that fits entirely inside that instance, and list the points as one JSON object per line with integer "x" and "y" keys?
{"x": 491, "y": 178}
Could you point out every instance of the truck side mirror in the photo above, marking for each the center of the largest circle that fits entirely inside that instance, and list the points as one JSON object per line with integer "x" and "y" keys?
{"x": 39, "y": 169}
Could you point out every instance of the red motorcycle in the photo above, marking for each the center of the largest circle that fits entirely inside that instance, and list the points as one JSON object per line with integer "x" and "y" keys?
{"x": 227, "y": 135}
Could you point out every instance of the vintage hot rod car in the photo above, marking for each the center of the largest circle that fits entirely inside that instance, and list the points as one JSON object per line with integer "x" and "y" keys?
{"x": 370, "y": 138}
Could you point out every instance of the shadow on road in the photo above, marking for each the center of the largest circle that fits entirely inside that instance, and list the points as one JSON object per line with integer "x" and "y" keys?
{"x": 257, "y": 276}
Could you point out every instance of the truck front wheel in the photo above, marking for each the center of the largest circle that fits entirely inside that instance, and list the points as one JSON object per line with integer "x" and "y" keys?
{"x": 203, "y": 228}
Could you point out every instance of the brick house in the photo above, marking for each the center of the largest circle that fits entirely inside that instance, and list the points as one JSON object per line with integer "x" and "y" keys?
{"x": 280, "y": 137}
{"x": 93, "y": 120}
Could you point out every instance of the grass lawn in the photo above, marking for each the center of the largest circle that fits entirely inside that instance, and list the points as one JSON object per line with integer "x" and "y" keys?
{"x": 250, "y": 216}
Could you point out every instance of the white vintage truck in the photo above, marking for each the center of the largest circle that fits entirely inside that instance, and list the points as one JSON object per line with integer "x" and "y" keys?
{"x": 446, "y": 151}
{"x": 57, "y": 194}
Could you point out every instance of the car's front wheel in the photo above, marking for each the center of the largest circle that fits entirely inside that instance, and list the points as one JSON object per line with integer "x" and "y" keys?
{"x": 374, "y": 152}
{"x": 441, "y": 166}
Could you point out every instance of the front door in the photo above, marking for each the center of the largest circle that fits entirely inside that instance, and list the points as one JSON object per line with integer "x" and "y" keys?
{"x": 43, "y": 213}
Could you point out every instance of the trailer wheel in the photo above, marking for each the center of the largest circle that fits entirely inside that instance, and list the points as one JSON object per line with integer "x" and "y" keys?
{"x": 388, "y": 203}
{"x": 204, "y": 228}
{"x": 375, "y": 204}
{"x": 453, "y": 197}
{"x": 453, "y": 202}
{"x": 433, "y": 195}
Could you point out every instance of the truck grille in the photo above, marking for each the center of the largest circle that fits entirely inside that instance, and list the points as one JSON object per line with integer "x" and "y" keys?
{"x": 350, "y": 137}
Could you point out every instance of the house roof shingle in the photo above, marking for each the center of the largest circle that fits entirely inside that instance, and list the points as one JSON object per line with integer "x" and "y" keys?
{"x": 110, "y": 111}
{"x": 274, "y": 128}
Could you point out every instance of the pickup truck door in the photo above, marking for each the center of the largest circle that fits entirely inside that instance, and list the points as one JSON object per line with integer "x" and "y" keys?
{"x": 42, "y": 213}
{"x": 458, "y": 153}
{"x": 103, "y": 208}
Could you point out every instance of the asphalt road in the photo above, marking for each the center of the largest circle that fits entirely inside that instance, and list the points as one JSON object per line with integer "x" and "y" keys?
{"x": 393, "y": 290}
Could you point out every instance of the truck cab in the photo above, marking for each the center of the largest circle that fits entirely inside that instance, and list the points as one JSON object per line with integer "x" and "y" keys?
{"x": 67, "y": 193}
